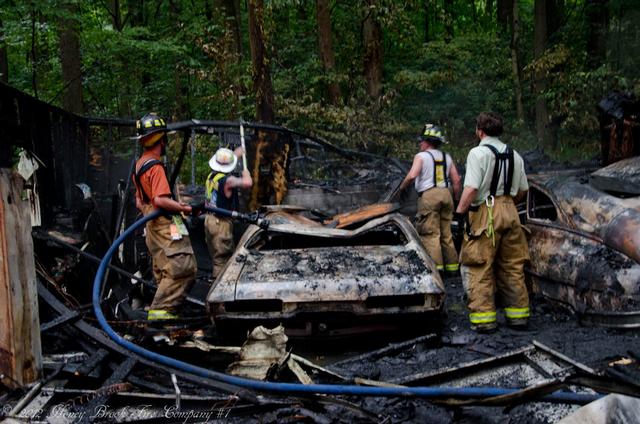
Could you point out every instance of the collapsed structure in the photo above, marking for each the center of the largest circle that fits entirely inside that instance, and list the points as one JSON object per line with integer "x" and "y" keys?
{"x": 86, "y": 376}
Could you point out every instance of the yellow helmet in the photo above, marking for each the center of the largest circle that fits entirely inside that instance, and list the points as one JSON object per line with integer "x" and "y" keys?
{"x": 432, "y": 133}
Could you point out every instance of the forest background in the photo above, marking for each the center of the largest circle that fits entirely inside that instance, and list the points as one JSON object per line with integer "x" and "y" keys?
{"x": 364, "y": 74}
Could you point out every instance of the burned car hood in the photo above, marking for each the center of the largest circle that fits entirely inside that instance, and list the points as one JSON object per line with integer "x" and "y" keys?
{"x": 381, "y": 257}
{"x": 333, "y": 274}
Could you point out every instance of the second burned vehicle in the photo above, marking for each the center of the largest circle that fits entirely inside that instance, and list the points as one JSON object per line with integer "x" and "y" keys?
{"x": 365, "y": 271}
{"x": 585, "y": 242}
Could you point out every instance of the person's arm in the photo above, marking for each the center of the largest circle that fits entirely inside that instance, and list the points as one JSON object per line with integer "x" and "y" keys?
{"x": 519, "y": 196}
{"x": 245, "y": 182}
{"x": 455, "y": 180}
{"x": 413, "y": 173}
{"x": 161, "y": 193}
{"x": 170, "y": 205}
{"x": 468, "y": 194}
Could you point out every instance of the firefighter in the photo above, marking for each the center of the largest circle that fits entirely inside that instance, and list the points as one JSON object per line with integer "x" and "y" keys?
{"x": 434, "y": 173}
{"x": 494, "y": 249}
{"x": 174, "y": 264}
{"x": 222, "y": 192}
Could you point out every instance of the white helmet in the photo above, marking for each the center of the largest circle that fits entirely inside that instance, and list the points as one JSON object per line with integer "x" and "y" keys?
{"x": 223, "y": 161}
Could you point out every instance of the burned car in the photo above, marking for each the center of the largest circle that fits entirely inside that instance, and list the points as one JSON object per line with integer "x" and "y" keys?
{"x": 585, "y": 246}
{"x": 354, "y": 274}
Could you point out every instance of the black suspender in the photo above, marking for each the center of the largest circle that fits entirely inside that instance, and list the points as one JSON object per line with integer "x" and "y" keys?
{"x": 442, "y": 163}
{"x": 504, "y": 161}
{"x": 144, "y": 168}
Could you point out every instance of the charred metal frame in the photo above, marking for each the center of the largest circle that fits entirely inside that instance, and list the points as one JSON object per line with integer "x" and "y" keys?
{"x": 233, "y": 301}
{"x": 565, "y": 249}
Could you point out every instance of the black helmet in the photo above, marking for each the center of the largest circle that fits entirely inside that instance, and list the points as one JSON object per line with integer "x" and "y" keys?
{"x": 433, "y": 134}
{"x": 149, "y": 124}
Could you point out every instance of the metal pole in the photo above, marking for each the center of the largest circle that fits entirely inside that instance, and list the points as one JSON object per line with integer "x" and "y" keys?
{"x": 244, "y": 149}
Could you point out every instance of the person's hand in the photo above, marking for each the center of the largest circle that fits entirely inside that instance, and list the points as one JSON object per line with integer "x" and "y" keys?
{"x": 459, "y": 218}
{"x": 196, "y": 208}
{"x": 246, "y": 173}
{"x": 239, "y": 151}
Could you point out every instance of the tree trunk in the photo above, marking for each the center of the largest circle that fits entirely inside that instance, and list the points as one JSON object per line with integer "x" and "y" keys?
{"x": 372, "y": 40}
{"x": 488, "y": 10}
{"x": 262, "y": 86}
{"x": 231, "y": 11}
{"x": 70, "y": 61}
{"x": 116, "y": 16}
{"x": 503, "y": 14}
{"x": 515, "y": 59}
{"x": 136, "y": 12}
{"x": 427, "y": 23}
{"x": 597, "y": 14}
{"x": 4, "y": 58}
{"x": 326, "y": 49}
{"x": 541, "y": 35}
{"x": 448, "y": 20}
{"x": 180, "y": 108}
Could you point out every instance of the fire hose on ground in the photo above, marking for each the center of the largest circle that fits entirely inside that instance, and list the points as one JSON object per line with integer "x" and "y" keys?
{"x": 295, "y": 388}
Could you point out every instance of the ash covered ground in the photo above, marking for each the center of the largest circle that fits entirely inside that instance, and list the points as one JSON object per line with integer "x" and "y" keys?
{"x": 552, "y": 326}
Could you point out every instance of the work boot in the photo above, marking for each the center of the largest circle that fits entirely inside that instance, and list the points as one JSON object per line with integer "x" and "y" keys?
{"x": 160, "y": 316}
{"x": 518, "y": 324}
{"x": 489, "y": 327}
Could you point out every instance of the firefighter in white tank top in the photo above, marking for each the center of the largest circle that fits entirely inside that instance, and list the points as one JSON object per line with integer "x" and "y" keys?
{"x": 435, "y": 175}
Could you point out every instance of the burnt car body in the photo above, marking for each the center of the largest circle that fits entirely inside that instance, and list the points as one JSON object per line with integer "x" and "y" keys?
{"x": 585, "y": 247}
{"x": 373, "y": 275}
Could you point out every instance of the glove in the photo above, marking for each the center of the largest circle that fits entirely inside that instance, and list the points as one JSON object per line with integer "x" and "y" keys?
{"x": 459, "y": 218}
{"x": 196, "y": 208}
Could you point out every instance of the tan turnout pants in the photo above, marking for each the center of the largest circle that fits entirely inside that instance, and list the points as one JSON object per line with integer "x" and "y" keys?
{"x": 487, "y": 269}
{"x": 219, "y": 237}
{"x": 174, "y": 264}
{"x": 433, "y": 222}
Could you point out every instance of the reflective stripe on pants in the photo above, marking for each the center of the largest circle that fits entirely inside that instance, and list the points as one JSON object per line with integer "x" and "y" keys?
{"x": 452, "y": 267}
{"x": 516, "y": 313}
{"x": 482, "y": 317}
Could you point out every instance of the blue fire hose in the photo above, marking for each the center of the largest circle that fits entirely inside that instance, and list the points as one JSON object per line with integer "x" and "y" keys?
{"x": 293, "y": 388}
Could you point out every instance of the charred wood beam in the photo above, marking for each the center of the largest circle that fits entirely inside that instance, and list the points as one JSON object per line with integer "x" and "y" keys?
{"x": 621, "y": 376}
{"x": 100, "y": 338}
{"x": 118, "y": 375}
{"x": 62, "y": 319}
{"x": 606, "y": 384}
{"x": 183, "y": 152}
{"x": 388, "y": 350}
{"x": 136, "y": 395}
{"x": 464, "y": 369}
{"x": 93, "y": 258}
{"x": 114, "y": 122}
{"x": 94, "y": 360}
{"x": 564, "y": 358}
{"x": 141, "y": 382}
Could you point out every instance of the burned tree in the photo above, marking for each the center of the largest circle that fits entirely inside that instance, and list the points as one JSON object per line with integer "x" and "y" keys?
{"x": 270, "y": 155}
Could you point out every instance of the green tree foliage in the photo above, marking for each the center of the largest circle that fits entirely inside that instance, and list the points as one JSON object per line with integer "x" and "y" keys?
{"x": 174, "y": 57}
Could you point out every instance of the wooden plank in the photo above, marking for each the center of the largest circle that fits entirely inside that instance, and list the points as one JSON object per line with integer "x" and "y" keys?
{"x": 93, "y": 361}
{"x": 361, "y": 214}
{"x": 119, "y": 374}
{"x": 62, "y": 319}
{"x": 20, "y": 349}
